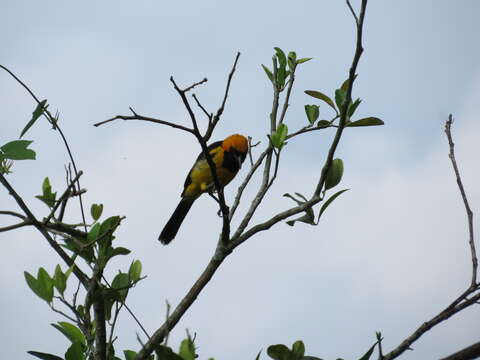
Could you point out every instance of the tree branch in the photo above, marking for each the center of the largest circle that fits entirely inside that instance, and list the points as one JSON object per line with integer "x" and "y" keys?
{"x": 469, "y": 212}
{"x": 470, "y": 352}
{"x": 145, "y": 118}
{"x": 219, "y": 113}
{"x": 223, "y": 251}
{"x": 40, "y": 227}
{"x": 462, "y": 301}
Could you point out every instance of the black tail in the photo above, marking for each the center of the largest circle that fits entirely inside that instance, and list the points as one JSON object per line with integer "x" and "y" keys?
{"x": 172, "y": 226}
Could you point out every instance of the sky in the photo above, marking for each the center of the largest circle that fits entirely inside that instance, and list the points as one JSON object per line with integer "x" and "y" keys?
{"x": 388, "y": 255}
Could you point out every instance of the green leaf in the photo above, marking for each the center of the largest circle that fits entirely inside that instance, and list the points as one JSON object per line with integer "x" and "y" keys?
{"x": 340, "y": 98}
{"x": 368, "y": 121}
{"x": 268, "y": 72}
{"x": 129, "y": 354}
{"x": 367, "y": 355}
{"x": 135, "y": 270}
{"x": 292, "y": 60}
{"x": 94, "y": 233}
{"x": 75, "y": 352}
{"x": 323, "y": 124}
{"x": 321, "y": 96}
{"x": 71, "y": 332}
{"x": 86, "y": 253}
{"x": 59, "y": 280}
{"x": 187, "y": 349}
{"x": 353, "y": 106}
{"x": 280, "y": 352}
{"x": 109, "y": 225}
{"x": 121, "y": 281}
{"x": 258, "y": 355}
{"x": 279, "y": 136}
{"x": 312, "y": 112}
{"x": 281, "y": 77}
{"x": 32, "y": 283}
{"x": 308, "y": 218}
{"x": 44, "y": 356}
{"x": 48, "y": 197}
{"x": 35, "y": 115}
{"x": 344, "y": 86}
{"x": 335, "y": 173}
{"x": 329, "y": 201}
{"x": 298, "y": 349}
{"x": 69, "y": 271}
{"x": 111, "y": 252}
{"x": 96, "y": 211}
{"x": 282, "y": 59}
{"x": 46, "y": 284}
{"x": 166, "y": 353}
{"x": 302, "y": 60}
{"x": 42, "y": 286}
{"x": 17, "y": 150}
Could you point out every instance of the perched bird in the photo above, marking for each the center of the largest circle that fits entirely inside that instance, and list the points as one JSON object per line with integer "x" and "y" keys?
{"x": 228, "y": 156}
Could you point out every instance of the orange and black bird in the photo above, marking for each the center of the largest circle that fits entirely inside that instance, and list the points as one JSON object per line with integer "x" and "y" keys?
{"x": 228, "y": 156}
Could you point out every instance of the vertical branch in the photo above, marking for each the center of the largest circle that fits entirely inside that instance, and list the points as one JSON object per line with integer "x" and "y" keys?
{"x": 343, "y": 112}
{"x": 216, "y": 118}
{"x": 225, "y": 236}
{"x": 471, "y": 240}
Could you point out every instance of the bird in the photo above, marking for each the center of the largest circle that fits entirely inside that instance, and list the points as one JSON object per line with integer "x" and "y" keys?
{"x": 228, "y": 156}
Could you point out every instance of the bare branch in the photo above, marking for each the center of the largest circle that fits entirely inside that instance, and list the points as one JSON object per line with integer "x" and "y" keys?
{"x": 353, "y": 12}
{"x": 225, "y": 235}
{"x": 195, "y": 84}
{"x": 471, "y": 295}
{"x": 457, "y": 306}
{"x": 469, "y": 212}
{"x": 220, "y": 110}
{"x": 245, "y": 182}
{"x": 145, "y": 118}
{"x": 15, "y": 226}
{"x": 470, "y": 352}
{"x": 209, "y": 116}
{"x": 12, "y": 213}
{"x": 182, "y": 307}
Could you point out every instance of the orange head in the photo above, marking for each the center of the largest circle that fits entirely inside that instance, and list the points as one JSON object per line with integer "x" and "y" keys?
{"x": 235, "y": 142}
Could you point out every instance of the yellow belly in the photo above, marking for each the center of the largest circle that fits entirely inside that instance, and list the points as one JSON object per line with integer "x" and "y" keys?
{"x": 201, "y": 176}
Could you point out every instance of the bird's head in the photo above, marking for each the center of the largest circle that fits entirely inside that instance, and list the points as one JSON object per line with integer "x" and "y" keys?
{"x": 237, "y": 145}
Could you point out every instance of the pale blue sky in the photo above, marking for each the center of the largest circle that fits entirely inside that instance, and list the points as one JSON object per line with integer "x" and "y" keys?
{"x": 390, "y": 253}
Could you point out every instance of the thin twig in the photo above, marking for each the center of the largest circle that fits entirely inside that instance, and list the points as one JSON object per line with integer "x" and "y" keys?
{"x": 12, "y": 213}
{"x": 64, "y": 196}
{"x": 469, "y": 212}
{"x": 167, "y": 315}
{"x": 220, "y": 110}
{"x": 353, "y": 12}
{"x": 245, "y": 182}
{"x": 209, "y": 116}
{"x": 15, "y": 226}
{"x": 62, "y": 313}
{"x": 204, "y": 80}
{"x": 145, "y": 118}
